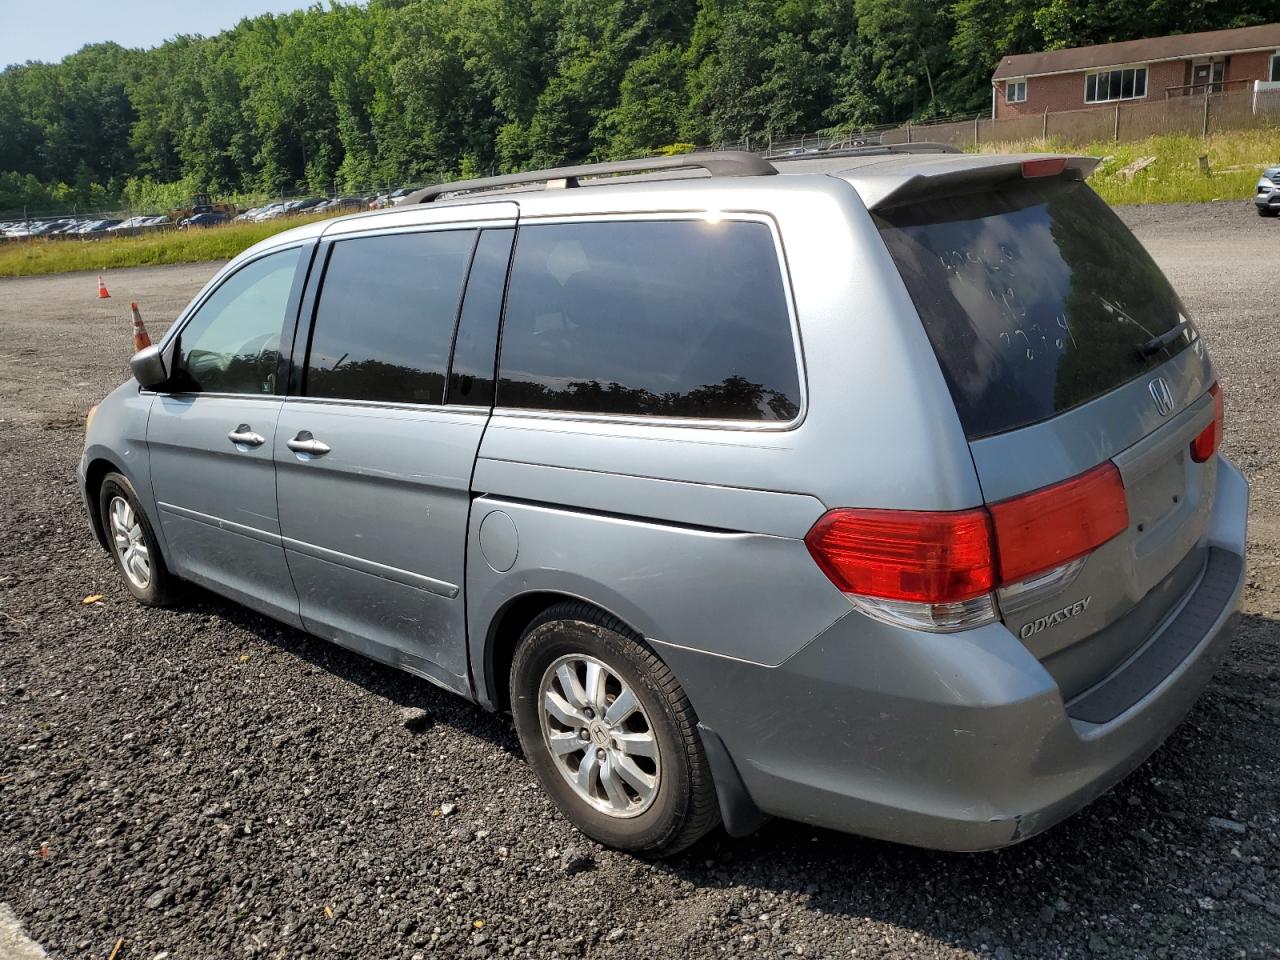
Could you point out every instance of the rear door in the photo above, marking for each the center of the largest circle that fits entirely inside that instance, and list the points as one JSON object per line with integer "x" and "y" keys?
{"x": 1064, "y": 348}
{"x": 373, "y": 463}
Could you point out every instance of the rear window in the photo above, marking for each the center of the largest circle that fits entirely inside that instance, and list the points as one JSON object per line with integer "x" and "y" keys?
{"x": 1036, "y": 298}
{"x": 650, "y": 318}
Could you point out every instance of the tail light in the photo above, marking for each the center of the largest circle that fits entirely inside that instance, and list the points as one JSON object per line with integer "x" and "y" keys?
{"x": 1052, "y": 526}
{"x": 905, "y": 555}
{"x": 940, "y": 571}
{"x": 1206, "y": 444}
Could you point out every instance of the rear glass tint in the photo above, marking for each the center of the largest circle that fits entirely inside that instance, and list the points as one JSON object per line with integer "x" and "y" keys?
{"x": 385, "y": 318}
{"x": 1036, "y": 298}
{"x": 655, "y": 318}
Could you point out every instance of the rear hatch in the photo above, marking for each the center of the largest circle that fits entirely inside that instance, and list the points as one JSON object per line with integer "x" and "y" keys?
{"x": 1082, "y": 385}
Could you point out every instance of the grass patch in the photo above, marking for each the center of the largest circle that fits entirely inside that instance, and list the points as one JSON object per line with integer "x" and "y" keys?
{"x": 26, "y": 258}
{"x": 1235, "y": 160}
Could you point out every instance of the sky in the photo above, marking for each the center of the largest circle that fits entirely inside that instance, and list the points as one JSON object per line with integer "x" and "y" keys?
{"x": 51, "y": 29}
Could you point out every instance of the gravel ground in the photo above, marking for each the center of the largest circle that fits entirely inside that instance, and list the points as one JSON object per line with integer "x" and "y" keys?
{"x": 205, "y": 782}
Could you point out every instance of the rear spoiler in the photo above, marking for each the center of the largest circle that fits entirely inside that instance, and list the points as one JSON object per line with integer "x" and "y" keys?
{"x": 952, "y": 174}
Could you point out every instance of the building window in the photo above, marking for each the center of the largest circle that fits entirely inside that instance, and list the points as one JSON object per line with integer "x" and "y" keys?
{"x": 1127, "y": 84}
{"x": 1015, "y": 91}
{"x": 1274, "y": 73}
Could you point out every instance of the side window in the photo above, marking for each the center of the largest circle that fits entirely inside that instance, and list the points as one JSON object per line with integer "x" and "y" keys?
{"x": 385, "y": 317}
{"x": 658, "y": 318}
{"x": 232, "y": 344}
{"x": 475, "y": 349}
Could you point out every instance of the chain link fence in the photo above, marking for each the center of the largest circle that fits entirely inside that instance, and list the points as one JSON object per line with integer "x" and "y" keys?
{"x": 1195, "y": 114}
{"x": 1199, "y": 112}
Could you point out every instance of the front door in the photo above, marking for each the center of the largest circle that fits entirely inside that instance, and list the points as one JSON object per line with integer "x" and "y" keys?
{"x": 211, "y": 436}
{"x": 1207, "y": 75}
{"x": 373, "y": 469}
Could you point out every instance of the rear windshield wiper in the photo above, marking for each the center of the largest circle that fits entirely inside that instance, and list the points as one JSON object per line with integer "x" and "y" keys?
{"x": 1156, "y": 344}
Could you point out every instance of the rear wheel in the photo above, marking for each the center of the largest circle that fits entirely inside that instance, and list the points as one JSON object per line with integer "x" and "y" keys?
{"x": 610, "y": 733}
{"x": 133, "y": 543}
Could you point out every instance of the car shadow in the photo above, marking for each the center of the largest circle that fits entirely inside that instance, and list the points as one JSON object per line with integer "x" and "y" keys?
{"x": 1145, "y": 848}
{"x": 403, "y": 690}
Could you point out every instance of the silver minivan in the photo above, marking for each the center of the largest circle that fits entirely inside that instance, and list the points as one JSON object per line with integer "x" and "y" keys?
{"x": 878, "y": 489}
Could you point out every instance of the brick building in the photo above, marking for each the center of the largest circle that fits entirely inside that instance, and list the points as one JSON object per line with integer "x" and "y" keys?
{"x": 1135, "y": 70}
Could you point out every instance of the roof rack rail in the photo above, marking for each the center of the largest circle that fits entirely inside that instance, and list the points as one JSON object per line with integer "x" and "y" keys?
{"x": 719, "y": 163}
{"x": 873, "y": 149}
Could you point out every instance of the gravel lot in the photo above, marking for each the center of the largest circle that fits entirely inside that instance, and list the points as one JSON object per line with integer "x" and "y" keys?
{"x": 205, "y": 782}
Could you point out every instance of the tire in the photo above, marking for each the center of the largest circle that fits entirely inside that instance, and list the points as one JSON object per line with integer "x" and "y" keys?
{"x": 681, "y": 806}
{"x": 159, "y": 587}
{"x": 1268, "y": 211}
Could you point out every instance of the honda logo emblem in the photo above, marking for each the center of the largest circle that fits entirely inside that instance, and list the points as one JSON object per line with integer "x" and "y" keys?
{"x": 1162, "y": 395}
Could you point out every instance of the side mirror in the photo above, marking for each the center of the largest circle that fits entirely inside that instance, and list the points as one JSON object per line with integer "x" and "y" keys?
{"x": 148, "y": 367}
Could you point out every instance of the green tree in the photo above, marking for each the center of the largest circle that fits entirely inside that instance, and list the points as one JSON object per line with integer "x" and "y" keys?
{"x": 986, "y": 31}
{"x": 907, "y": 45}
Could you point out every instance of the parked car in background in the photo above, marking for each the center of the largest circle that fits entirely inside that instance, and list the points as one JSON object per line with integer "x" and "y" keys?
{"x": 47, "y": 228}
{"x": 384, "y": 200}
{"x": 919, "y": 530}
{"x": 270, "y": 211}
{"x": 96, "y": 226}
{"x": 132, "y": 223}
{"x": 302, "y": 206}
{"x": 205, "y": 220}
{"x": 1267, "y": 197}
{"x": 340, "y": 203}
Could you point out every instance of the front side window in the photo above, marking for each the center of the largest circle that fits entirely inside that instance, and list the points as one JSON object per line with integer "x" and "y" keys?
{"x": 650, "y": 318}
{"x": 385, "y": 317}
{"x": 1127, "y": 84}
{"x": 232, "y": 344}
{"x": 1016, "y": 91}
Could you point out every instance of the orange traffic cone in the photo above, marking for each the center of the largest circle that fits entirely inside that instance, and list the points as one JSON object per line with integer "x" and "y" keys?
{"x": 102, "y": 289}
{"x": 141, "y": 338}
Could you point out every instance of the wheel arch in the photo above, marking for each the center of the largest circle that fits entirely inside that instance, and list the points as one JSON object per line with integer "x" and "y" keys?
{"x": 506, "y": 628}
{"x": 94, "y": 474}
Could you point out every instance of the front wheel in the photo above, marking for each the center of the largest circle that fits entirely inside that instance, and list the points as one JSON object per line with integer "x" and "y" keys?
{"x": 133, "y": 543}
{"x": 609, "y": 732}
{"x": 1268, "y": 211}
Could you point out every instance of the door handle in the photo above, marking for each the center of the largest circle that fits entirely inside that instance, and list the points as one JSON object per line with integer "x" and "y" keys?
{"x": 244, "y": 434}
{"x": 304, "y": 442}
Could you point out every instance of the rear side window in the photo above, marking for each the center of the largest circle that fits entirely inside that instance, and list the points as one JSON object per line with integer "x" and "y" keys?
{"x": 1036, "y": 298}
{"x": 655, "y": 318}
{"x": 476, "y": 344}
{"x": 384, "y": 321}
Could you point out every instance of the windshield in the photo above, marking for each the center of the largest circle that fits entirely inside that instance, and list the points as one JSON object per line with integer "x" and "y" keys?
{"x": 1035, "y": 296}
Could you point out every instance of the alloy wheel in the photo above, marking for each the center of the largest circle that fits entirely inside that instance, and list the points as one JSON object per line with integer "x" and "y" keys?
{"x": 599, "y": 736}
{"x": 130, "y": 544}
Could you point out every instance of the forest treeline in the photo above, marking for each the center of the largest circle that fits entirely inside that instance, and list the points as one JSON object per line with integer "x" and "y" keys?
{"x": 399, "y": 91}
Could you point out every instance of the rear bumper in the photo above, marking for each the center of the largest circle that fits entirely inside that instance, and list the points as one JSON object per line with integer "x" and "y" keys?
{"x": 958, "y": 742}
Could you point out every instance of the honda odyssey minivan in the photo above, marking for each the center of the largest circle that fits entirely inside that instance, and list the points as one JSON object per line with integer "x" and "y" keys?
{"x": 878, "y": 489}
